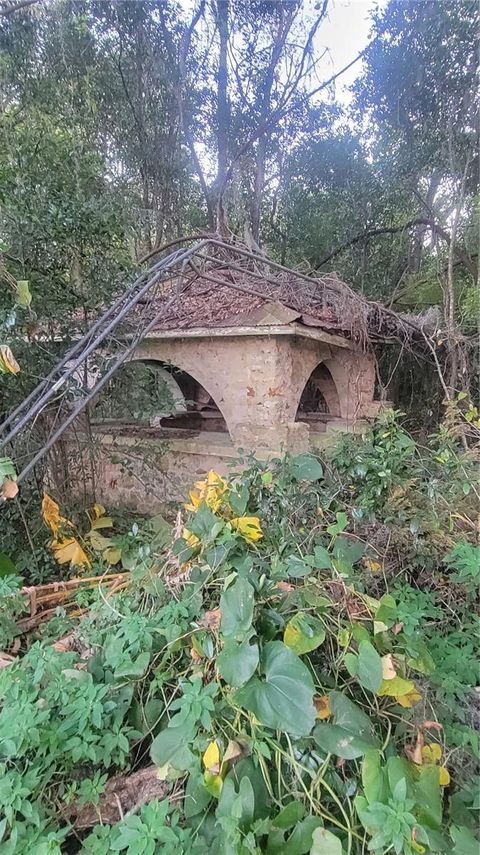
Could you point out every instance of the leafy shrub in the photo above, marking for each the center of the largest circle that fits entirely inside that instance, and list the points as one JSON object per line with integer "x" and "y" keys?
{"x": 297, "y": 687}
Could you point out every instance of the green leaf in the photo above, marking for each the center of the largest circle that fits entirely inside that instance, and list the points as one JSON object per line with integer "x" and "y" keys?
{"x": 398, "y": 768}
{"x": 205, "y": 524}
{"x": 7, "y": 469}
{"x": 350, "y": 660}
{"x": 303, "y": 633}
{"x": 428, "y": 795}
{"x": 369, "y": 667}
{"x": 340, "y": 524}
{"x": 348, "y": 714}
{"x": 306, "y": 467}
{"x": 238, "y": 661}
{"x": 7, "y": 567}
{"x": 146, "y": 716}
{"x": 197, "y": 798}
{"x": 323, "y": 559}
{"x": 296, "y": 567}
{"x": 283, "y": 700}
{"x": 337, "y": 740}
{"x": 239, "y": 804}
{"x": 325, "y": 843}
{"x": 301, "y": 839}
{"x": 170, "y": 748}
{"x": 136, "y": 668}
{"x": 238, "y": 499}
{"x": 464, "y": 841}
{"x": 346, "y": 553}
{"x": 351, "y": 733}
{"x": 236, "y": 609}
{"x": 289, "y": 815}
{"x": 373, "y": 777}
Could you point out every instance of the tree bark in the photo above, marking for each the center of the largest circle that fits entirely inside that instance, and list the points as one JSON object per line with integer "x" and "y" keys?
{"x": 223, "y": 114}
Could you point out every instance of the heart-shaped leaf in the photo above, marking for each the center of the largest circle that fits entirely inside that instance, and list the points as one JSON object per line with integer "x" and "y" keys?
{"x": 236, "y": 609}
{"x": 306, "y": 467}
{"x": 369, "y": 667}
{"x": 238, "y": 661}
{"x": 303, "y": 633}
{"x": 325, "y": 843}
{"x": 350, "y": 735}
{"x": 283, "y": 700}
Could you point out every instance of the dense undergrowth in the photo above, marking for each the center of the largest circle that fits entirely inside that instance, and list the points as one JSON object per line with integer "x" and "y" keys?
{"x": 298, "y": 661}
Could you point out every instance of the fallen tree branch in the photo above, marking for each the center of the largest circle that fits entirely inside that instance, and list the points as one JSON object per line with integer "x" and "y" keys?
{"x": 123, "y": 794}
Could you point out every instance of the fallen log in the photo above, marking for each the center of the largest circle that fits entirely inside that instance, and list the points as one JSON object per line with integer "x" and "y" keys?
{"x": 123, "y": 794}
{"x": 43, "y": 600}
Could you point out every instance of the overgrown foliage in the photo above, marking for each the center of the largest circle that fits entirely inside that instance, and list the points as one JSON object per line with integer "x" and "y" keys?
{"x": 299, "y": 665}
{"x": 126, "y": 125}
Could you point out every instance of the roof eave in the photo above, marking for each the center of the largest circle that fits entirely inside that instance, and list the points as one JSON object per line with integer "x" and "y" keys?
{"x": 292, "y": 329}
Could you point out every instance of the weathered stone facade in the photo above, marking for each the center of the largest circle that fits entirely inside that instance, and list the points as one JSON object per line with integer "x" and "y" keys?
{"x": 255, "y": 376}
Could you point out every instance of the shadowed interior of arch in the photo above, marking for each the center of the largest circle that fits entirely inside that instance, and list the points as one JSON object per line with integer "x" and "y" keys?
{"x": 319, "y": 401}
{"x": 154, "y": 394}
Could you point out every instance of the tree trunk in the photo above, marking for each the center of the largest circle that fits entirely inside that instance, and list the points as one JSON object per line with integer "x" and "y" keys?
{"x": 223, "y": 113}
{"x": 425, "y": 212}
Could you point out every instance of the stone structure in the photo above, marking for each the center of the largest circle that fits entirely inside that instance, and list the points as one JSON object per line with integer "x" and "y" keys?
{"x": 249, "y": 373}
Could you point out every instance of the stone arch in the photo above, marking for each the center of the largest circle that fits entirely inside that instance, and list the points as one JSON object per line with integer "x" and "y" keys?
{"x": 181, "y": 382}
{"x": 201, "y": 363}
{"x": 200, "y": 409}
{"x": 320, "y": 395}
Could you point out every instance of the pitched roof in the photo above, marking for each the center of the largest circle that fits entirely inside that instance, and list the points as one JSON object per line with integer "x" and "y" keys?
{"x": 234, "y": 300}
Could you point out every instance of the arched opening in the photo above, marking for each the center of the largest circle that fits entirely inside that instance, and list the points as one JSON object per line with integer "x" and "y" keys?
{"x": 319, "y": 401}
{"x": 156, "y": 395}
{"x": 200, "y": 412}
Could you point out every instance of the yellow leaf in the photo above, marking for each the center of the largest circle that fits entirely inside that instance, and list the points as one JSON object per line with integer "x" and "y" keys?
{"x": 97, "y": 511}
{"x": 291, "y": 635}
{"x": 98, "y": 541}
{"x": 70, "y": 552}
{"x": 418, "y": 847}
{"x": 190, "y": 537}
{"x": 211, "y": 491}
{"x": 322, "y": 706}
{"x": 395, "y": 687}
{"x": 102, "y": 522}
{"x": 195, "y": 501}
{"x": 409, "y": 699}
{"x": 211, "y": 758}
{"x": 112, "y": 555}
{"x": 213, "y": 783}
{"x": 431, "y": 753}
{"x": 216, "y": 480}
{"x": 51, "y": 514}
{"x": 388, "y": 668}
{"x": 444, "y": 776}
{"x": 24, "y": 297}
{"x": 8, "y": 363}
{"x": 248, "y": 527}
{"x": 373, "y": 566}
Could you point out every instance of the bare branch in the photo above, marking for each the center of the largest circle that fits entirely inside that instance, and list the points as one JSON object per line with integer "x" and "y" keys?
{"x": 179, "y": 94}
{"x": 7, "y": 9}
{"x": 282, "y": 110}
{"x": 391, "y": 230}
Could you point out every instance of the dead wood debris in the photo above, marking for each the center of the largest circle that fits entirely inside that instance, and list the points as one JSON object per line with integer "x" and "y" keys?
{"x": 123, "y": 794}
{"x": 43, "y": 600}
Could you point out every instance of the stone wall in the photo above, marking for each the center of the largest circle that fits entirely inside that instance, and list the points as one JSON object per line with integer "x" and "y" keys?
{"x": 256, "y": 381}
